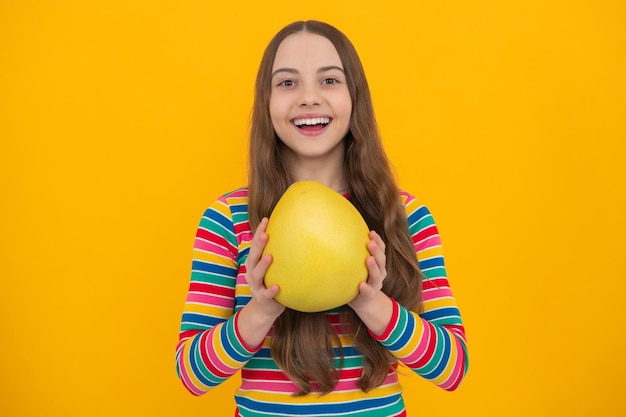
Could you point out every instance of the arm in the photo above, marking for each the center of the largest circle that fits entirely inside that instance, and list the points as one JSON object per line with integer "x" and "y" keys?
{"x": 433, "y": 344}
{"x": 215, "y": 342}
{"x": 210, "y": 349}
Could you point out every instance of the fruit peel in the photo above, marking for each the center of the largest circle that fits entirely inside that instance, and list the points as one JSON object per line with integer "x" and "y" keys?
{"x": 318, "y": 242}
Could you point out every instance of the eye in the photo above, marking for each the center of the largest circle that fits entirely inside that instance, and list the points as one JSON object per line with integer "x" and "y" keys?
{"x": 286, "y": 83}
{"x": 330, "y": 81}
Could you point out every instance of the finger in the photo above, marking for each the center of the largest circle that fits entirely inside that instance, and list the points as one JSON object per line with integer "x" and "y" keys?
{"x": 379, "y": 240}
{"x": 374, "y": 267}
{"x": 255, "y": 275}
{"x": 258, "y": 242}
{"x": 273, "y": 291}
{"x": 378, "y": 253}
{"x": 264, "y": 263}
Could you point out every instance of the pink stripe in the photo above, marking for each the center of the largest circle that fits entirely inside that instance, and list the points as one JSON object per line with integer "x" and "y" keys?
{"x": 422, "y": 346}
{"x": 184, "y": 376}
{"x": 243, "y": 192}
{"x": 211, "y": 350}
{"x": 456, "y": 372}
{"x": 409, "y": 198}
{"x": 289, "y": 387}
{"x": 210, "y": 300}
{"x": 286, "y": 387}
{"x": 205, "y": 246}
{"x": 351, "y": 385}
{"x": 430, "y": 242}
{"x": 437, "y": 293}
{"x": 245, "y": 237}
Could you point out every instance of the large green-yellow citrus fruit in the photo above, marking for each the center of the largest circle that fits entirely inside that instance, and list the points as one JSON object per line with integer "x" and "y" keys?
{"x": 318, "y": 242}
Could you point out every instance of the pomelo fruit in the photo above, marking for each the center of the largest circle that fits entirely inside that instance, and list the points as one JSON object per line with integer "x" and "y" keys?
{"x": 318, "y": 242}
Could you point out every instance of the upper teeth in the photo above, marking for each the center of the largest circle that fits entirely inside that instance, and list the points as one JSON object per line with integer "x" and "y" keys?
{"x": 313, "y": 121}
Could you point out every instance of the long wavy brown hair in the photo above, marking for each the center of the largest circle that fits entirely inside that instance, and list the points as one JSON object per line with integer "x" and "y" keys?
{"x": 302, "y": 343}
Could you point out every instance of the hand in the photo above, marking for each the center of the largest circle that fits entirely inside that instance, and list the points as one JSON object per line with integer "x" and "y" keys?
{"x": 256, "y": 267}
{"x": 377, "y": 272}
{"x": 372, "y": 305}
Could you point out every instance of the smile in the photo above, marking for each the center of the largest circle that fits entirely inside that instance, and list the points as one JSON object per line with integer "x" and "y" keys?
{"x": 314, "y": 121}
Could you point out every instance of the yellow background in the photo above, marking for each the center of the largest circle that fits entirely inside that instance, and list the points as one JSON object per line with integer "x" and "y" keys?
{"x": 120, "y": 121}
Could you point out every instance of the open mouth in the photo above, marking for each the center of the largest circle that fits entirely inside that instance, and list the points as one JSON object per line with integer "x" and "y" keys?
{"x": 313, "y": 123}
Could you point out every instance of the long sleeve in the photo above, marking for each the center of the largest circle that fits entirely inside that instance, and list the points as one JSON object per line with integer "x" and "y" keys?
{"x": 433, "y": 343}
{"x": 210, "y": 350}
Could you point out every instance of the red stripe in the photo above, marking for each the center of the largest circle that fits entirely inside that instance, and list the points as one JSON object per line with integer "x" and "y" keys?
{"x": 211, "y": 289}
{"x": 242, "y": 228}
{"x": 459, "y": 376}
{"x": 434, "y": 283}
{"x": 205, "y": 357}
{"x": 273, "y": 375}
{"x": 425, "y": 233}
{"x": 254, "y": 374}
{"x": 211, "y": 237}
{"x": 431, "y": 346}
{"x": 392, "y": 323}
{"x": 240, "y": 339}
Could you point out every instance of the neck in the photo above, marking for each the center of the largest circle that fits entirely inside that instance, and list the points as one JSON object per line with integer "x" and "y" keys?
{"x": 331, "y": 175}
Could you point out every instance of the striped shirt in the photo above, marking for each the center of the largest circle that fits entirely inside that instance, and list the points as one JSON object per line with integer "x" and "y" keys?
{"x": 210, "y": 350}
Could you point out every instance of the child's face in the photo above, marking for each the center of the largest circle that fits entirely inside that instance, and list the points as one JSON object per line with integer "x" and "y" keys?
{"x": 310, "y": 104}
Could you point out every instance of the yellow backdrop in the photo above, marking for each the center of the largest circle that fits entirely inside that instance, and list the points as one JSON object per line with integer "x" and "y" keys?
{"x": 120, "y": 121}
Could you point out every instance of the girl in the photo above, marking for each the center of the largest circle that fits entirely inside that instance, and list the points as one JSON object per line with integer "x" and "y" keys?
{"x": 313, "y": 120}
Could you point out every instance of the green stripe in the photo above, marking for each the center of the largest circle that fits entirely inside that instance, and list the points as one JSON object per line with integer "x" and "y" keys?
{"x": 400, "y": 326}
{"x": 262, "y": 363}
{"x": 437, "y": 355}
{"x": 437, "y": 272}
{"x": 200, "y": 276}
{"x": 234, "y": 341}
{"x": 422, "y": 223}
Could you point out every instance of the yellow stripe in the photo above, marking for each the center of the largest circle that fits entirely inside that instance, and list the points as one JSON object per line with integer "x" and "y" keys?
{"x": 213, "y": 311}
{"x": 450, "y": 365}
{"x": 439, "y": 303}
{"x": 222, "y": 208}
{"x": 243, "y": 289}
{"x": 194, "y": 380}
{"x": 433, "y": 252}
{"x": 237, "y": 200}
{"x": 415, "y": 339}
{"x": 411, "y": 206}
{"x": 220, "y": 352}
{"x": 212, "y": 258}
{"x": 333, "y": 397}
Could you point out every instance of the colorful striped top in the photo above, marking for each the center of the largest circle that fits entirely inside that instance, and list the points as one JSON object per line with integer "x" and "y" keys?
{"x": 210, "y": 350}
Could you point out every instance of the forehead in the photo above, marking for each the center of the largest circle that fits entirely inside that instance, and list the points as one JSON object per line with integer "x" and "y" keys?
{"x": 303, "y": 49}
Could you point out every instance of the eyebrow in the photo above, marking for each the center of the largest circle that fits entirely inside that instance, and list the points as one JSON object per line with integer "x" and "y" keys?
{"x": 319, "y": 71}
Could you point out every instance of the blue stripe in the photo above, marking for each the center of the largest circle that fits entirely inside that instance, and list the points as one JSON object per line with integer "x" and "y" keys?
{"x": 217, "y": 217}
{"x": 445, "y": 356}
{"x": 315, "y": 409}
{"x": 238, "y": 208}
{"x": 418, "y": 214}
{"x": 228, "y": 345}
{"x": 242, "y": 256}
{"x": 264, "y": 353}
{"x": 409, "y": 328}
{"x": 200, "y": 319}
{"x": 440, "y": 313}
{"x": 348, "y": 351}
{"x": 213, "y": 268}
{"x": 431, "y": 263}
{"x": 193, "y": 351}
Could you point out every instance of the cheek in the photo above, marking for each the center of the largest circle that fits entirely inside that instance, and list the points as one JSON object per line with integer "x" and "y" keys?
{"x": 347, "y": 110}
{"x": 346, "y": 104}
{"x": 277, "y": 112}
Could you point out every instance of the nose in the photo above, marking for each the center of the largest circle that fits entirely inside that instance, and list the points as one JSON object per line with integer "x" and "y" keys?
{"x": 309, "y": 96}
